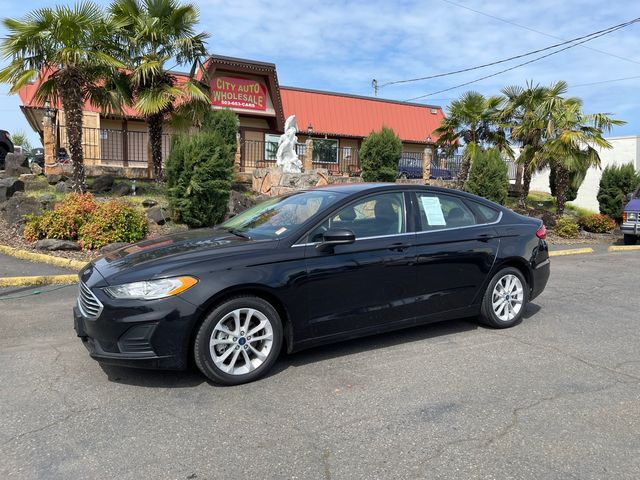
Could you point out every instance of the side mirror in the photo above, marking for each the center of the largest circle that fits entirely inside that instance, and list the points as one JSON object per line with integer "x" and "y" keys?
{"x": 335, "y": 236}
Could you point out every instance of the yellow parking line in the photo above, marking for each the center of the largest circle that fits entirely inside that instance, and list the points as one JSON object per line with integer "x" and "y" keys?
{"x": 623, "y": 248}
{"x": 42, "y": 258}
{"x": 571, "y": 251}
{"x": 37, "y": 280}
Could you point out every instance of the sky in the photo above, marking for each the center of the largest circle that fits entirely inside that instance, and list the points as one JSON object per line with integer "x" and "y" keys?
{"x": 342, "y": 45}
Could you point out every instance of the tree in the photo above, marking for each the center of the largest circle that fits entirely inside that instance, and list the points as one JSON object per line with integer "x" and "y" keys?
{"x": 576, "y": 177}
{"x": 475, "y": 120}
{"x": 69, "y": 51}
{"x": 525, "y": 121}
{"x": 200, "y": 171}
{"x": 573, "y": 140}
{"x": 489, "y": 177}
{"x": 20, "y": 138}
{"x": 379, "y": 156}
{"x": 153, "y": 33}
{"x": 616, "y": 184}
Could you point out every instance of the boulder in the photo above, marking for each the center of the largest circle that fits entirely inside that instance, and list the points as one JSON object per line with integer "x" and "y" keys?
{"x": 63, "y": 187}
{"x": 103, "y": 183}
{"x": 27, "y": 177}
{"x": 16, "y": 164}
{"x": 9, "y": 186}
{"x": 54, "y": 244}
{"x": 110, "y": 247}
{"x": 47, "y": 201}
{"x": 55, "y": 178}
{"x": 18, "y": 206}
{"x": 239, "y": 202}
{"x": 36, "y": 169}
{"x": 157, "y": 215}
{"x": 122, "y": 189}
{"x": 148, "y": 203}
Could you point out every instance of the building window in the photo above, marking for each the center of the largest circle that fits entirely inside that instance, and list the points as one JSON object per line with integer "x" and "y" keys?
{"x": 270, "y": 146}
{"x": 325, "y": 150}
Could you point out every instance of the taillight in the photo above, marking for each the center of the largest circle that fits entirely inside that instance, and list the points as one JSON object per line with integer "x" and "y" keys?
{"x": 624, "y": 217}
{"x": 542, "y": 232}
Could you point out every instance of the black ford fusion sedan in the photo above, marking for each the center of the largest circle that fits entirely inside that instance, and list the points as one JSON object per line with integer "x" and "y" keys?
{"x": 305, "y": 269}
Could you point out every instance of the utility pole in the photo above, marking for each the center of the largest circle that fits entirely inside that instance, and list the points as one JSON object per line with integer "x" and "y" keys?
{"x": 374, "y": 84}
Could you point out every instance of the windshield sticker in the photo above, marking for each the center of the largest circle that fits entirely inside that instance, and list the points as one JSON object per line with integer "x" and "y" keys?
{"x": 281, "y": 231}
{"x": 433, "y": 210}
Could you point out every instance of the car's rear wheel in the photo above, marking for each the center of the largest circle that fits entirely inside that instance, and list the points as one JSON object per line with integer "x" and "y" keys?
{"x": 505, "y": 299}
{"x": 239, "y": 341}
{"x": 630, "y": 239}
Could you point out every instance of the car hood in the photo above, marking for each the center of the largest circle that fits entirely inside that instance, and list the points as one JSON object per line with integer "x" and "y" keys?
{"x": 633, "y": 205}
{"x": 157, "y": 257}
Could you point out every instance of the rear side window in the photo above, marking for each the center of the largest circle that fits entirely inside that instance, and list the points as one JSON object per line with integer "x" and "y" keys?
{"x": 439, "y": 211}
{"x": 489, "y": 215}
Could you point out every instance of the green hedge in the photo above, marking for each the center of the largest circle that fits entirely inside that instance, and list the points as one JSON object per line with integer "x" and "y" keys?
{"x": 489, "y": 176}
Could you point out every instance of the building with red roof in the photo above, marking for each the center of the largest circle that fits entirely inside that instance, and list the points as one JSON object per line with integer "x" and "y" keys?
{"x": 336, "y": 123}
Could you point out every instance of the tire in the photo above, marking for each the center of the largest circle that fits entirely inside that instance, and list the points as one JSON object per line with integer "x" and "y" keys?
{"x": 238, "y": 356}
{"x": 510, "y": 311}
{"x": 630, "y": 239}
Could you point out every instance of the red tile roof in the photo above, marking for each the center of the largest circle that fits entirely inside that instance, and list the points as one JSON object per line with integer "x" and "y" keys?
{"x": 338, "y": 114}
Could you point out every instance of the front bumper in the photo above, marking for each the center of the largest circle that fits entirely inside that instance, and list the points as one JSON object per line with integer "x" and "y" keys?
{"x": 137, "y": 333}
{"x": 630, "y": 228}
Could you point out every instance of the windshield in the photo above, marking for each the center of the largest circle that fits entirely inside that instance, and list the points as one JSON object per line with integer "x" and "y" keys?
{"x": 278, "y": 216}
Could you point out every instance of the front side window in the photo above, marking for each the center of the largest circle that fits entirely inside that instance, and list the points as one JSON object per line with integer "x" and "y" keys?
{"x": 439, "y": 212}
{"x": 325, "y": 150}
{"x": 373, "y": 216}
{"x": 279, "y": 216}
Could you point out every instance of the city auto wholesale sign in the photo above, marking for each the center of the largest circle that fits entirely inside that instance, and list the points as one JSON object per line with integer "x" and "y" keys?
{"x": 237, "y": 92}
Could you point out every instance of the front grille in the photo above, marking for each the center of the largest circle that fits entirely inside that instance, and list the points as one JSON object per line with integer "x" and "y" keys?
{"x": 88, "y": 304}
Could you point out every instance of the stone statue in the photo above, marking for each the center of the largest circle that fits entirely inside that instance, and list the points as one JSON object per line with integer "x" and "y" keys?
{"x": 286, "y": 157}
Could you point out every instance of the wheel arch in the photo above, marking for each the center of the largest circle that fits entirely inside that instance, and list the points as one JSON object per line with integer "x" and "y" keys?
{"x": 521, "y": 265}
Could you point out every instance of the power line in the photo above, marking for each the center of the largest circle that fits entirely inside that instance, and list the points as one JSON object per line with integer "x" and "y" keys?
{"x": 533, "y": 52}
{"x": 604, "y": 81}
{"x": 611, "y": 30}
{"x": 536, "y": 31}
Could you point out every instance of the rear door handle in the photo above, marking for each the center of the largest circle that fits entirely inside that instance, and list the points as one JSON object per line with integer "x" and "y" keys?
{"x": 399, "y": 247}
{"x": 486, "y": 236}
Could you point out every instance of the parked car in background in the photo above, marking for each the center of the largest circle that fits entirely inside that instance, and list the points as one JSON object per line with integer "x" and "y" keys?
{"x": 37, "y": 157}
{"x": 631, "y": 219}
{"x": 440, "y": 173}
{"x": 6, "y": 146}
{"x": 411, "y": 167}
{"x": 309, "y": 268}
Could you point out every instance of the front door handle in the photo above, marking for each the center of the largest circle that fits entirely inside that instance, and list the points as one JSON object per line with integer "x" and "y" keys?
{"x": 399, "y": 247}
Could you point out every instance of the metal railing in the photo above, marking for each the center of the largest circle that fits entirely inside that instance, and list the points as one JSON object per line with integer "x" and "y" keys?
{"x": 114, "y": 148}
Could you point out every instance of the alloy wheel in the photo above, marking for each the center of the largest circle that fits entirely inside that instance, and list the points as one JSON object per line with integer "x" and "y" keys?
{"x": 241, "y": 341}
{"x": 507, "y": 297}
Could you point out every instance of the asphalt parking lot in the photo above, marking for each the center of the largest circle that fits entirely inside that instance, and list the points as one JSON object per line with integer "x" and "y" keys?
{"x": 555, "y": 397}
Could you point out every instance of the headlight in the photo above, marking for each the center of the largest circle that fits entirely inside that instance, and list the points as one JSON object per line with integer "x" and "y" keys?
{"x": 631, "y": 215}
{"x": 152, "y": 289}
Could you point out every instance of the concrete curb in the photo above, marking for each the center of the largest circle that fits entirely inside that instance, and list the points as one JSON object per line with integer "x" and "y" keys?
{"x": 37, "y": 280}
{"x": 42, "y": 258}
{"x": 623, "y": 248}
{"x": 571, "y": 251}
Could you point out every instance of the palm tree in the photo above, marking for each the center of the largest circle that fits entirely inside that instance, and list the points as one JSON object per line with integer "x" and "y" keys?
{"x": 154, "y": 32}
{"x": 68, "y": 50}
{"x": 525, "y": 121}
{"x": 474, "y": 120}
{"x": 573, "y": 141}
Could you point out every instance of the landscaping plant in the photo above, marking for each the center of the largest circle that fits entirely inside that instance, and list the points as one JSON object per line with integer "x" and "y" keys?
{"x": 616, "y": 184}
{"x": 489, "y": 177}
{"x": 379, "y": 156}
{"x": 200, "y": 171}
{"x": 597, "y": 223}
{"x": 80, "y": 217}
{"x": 113, "y": 221}
{"x": 567, "y": 227}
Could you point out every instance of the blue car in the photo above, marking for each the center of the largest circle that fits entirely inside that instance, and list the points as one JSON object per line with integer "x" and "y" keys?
{"x": 411, "y": 167}
{"x": 631, "y": 219}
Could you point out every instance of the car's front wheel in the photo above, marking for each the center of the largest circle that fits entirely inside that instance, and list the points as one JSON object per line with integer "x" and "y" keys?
{"x": 630, "y": 239}
{"x": 505, "y": 299}
{"x": 239, "y": 341}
